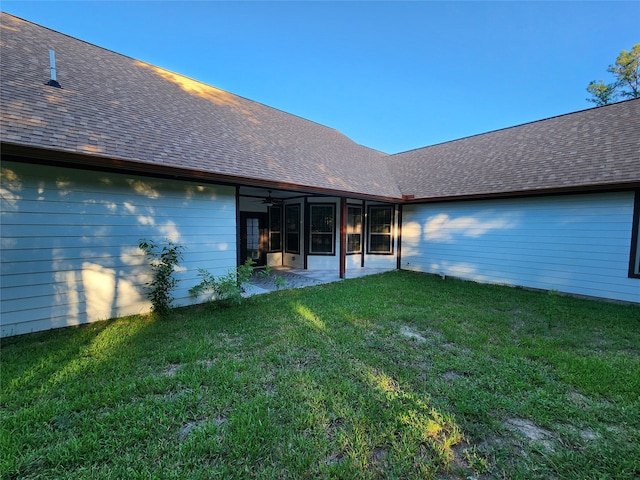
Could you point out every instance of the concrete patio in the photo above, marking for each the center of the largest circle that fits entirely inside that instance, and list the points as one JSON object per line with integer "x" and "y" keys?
{"x": 299, "y": 278}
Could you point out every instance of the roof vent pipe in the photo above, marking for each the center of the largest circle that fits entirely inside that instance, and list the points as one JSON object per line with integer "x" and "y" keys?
{"x": 52, "y": 65}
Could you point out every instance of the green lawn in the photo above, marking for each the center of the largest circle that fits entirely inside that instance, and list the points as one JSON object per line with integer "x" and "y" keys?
{"x": 400, "y": 375}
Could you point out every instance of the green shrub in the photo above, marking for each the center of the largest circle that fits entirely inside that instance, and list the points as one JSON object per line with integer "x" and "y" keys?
{"x": 226, "y": 289}
{"x": 162, "y": 261}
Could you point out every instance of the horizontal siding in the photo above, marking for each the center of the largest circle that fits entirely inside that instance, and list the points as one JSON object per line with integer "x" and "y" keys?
{"x": 576, "y": 244}
{"x": 112, "y": 251}
{"x": 69, "y": 249}
{"x": 202, "y": 241}
{"x": 13, "y": 285}
{"x": 87, "y": 205}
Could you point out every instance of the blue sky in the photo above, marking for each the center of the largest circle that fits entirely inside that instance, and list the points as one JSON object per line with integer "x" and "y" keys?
{"x": 390, "y": 75}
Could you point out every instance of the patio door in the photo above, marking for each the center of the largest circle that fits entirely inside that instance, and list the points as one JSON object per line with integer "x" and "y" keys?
{"x": 253, "y": 237}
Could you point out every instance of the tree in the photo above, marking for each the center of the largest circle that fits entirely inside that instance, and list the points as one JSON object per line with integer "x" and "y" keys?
{"x": 602, "y": 93}
{"x": 626, "y": 73}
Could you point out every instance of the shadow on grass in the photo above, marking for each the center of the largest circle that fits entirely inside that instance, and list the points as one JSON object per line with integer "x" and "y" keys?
{"x": 48, "y": 359}
{"x": 393, "y": 376}
{"x": 367, "y": 422}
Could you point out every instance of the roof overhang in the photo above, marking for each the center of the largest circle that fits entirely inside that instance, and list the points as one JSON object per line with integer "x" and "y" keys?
{"x": 72, "y": 159}
{"x": 63, "y": 158}
{"x": 572, "y": 190}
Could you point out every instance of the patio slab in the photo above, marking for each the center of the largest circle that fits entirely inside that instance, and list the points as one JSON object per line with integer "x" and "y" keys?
{"x": 299, "y": 278}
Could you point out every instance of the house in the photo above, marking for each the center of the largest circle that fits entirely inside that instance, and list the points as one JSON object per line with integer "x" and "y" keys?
{"x": 112, "y": 150}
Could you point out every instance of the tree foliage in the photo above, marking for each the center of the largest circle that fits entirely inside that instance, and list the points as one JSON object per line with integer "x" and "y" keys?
{"x": 626, "y": 84}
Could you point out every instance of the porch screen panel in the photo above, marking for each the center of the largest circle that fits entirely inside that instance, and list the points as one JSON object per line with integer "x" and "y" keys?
{"x": 253, "y": 238}
{"x": 354, "y": 229}
{"x": 322, "y": 229}
{"x": 380, "y": 236}
{"x": 292, "y": 225}
{"x": 275, "y": 229}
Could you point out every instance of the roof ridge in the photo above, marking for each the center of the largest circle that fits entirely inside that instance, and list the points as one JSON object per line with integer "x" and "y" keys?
{"x": 489, "y": 132}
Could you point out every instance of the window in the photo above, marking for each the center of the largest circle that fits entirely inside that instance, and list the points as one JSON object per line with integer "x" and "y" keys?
{"x": 354, "y": 229}
{"x": 292, "y": 226}
{"x": 322, "y": 229}
{"x": 275, "y": 229}
{"x": 634, "y": 262}
{"x": 253, "y": 238}
{"x": 380, "y": 221}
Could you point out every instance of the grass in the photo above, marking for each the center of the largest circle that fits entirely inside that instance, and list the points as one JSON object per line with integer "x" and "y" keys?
{"x": 400, "y": 375}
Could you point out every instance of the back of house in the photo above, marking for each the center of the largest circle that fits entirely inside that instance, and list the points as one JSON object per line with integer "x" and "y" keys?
{"x": 112, "y": 150}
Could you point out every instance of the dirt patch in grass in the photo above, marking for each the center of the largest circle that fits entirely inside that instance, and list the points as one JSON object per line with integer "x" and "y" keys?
{"x": 378, "y": 456}
{"x": 533, "y": 433}
{"x": 585, "y": 435}
{"x": 588, "y": 435}
{"x": 334, "y": 428}
{"x": 270, "y": 389}
{"x": 171, "y": 370}
{"x": 451, "y": 376}
{"x": 579, "y": 399}
{"x": 230, "y": 340}
{"x": 333, "y": 458}
{"x": 424, "y": 370}
{"x": 206, "y": 363}
{"x": 407, "y": 332}
{"x": 468, "y": 462}
{"x": 220, "y": 420}
{"x": 185, "y": 430}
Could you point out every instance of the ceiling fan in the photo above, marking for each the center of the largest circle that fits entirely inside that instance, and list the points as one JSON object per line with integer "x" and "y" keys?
{"x": 270, "y": 201}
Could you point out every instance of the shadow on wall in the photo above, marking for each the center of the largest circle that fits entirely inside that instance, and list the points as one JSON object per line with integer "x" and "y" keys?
{"x": 443, "y": 228}
{"x": 578, "y": 244}
{"x": 69, "y": 249}
{"x": 430, "y": 245}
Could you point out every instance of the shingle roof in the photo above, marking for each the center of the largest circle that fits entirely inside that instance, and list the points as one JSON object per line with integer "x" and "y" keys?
{"x": 595, "y": 147}
{"x": 118, "y": 108}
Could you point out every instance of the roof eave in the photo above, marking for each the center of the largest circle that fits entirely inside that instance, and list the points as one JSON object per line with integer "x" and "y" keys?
{"x": 74, "y": 159}
{"x": 574, "y": 189}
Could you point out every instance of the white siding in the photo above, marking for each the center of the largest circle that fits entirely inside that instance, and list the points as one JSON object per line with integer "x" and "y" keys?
{"x": 577, "y": 244}
{"x": 69, "y": 250}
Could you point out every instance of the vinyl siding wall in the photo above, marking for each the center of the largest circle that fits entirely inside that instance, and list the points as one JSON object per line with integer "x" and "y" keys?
{"x": 578, "y": 244}
{"x": 69, "y": 250}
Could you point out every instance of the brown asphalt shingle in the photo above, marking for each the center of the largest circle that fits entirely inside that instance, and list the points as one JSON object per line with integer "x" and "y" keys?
{"x": 595, "y": 147}
{"x": 117, "y": 107}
